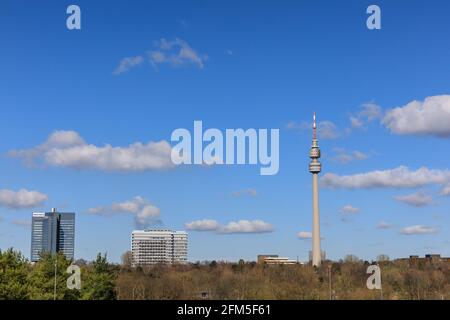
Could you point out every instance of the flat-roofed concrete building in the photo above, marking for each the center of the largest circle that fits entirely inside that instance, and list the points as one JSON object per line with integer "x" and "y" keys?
{"x": 429, "y": 259}
{"x": 158, "y": 246}
{"x": 271, "y": 259}
{"x": 262, "y": 257}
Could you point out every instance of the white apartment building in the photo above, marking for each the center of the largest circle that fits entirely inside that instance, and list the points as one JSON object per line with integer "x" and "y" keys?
{"x": 158, "y": 246}
{"x": 275, "y": 259}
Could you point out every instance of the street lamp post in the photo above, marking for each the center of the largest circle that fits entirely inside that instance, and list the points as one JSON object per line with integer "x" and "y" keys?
{"x": 54, "y": 285}
{"x": 329, "y": 281}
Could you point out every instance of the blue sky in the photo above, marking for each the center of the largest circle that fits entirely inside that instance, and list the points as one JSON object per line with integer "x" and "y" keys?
{"x": 258, "y": 64}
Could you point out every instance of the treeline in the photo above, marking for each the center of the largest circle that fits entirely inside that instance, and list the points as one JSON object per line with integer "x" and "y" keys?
{"x": 20, "y": 279}
{"x": 253, "y": 281}
{"x": 101, "y": 280}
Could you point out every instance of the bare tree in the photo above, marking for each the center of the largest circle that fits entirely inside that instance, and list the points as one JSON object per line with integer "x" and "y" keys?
{"x": 126, "y": 259}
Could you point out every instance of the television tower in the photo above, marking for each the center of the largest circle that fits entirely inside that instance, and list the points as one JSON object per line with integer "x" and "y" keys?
{"x": 314, "y": 168}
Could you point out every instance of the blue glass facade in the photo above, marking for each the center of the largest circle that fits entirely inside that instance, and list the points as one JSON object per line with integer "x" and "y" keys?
{"x": 66, "y": 234}
{"x": 53, "y": 232}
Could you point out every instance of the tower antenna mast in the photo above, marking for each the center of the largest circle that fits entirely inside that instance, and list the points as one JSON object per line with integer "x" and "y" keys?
{"x": 315, "y": 168}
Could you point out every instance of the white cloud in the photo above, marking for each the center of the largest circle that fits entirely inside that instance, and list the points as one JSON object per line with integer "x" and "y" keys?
{"x": 135, "y": 157}
{"x": 356, "y": 123}
{"x": 241, "y": 226}
{"x": 445, "y": 190}
{"x": 349, "y": 209}
{"x": 202, "y": 225}
{"x": 325, "y": 129}
{"x": 176, "y": 52}
{"x": 304, "y": 235}
{"x": 58, "y": 139}
{"x": 428, "y": 117}
{"x": 418, "y": 199}
{"x": 68, "y": 149}
{"x": 383, "y": 225}
{"x": 246, "y": 226}
{"x": 292, "y": 125}
{"x": 368, "y": 112}
{"x": 128, "y": 63}
{"x": 143, "y": 211}
{"x": 63, "y": 139}
{"x": 358, "y": 155}
{"x": 344, "y": 157}
{"x": 400, "y": 177}
{"x": 418, "y": 229}
{"x": 246, "y": 192}
{"x": 21, "y": 199}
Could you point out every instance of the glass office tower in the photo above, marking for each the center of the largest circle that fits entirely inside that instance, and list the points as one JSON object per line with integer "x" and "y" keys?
{"x": 53, "y": 232}
{"x": 66, "y": 234}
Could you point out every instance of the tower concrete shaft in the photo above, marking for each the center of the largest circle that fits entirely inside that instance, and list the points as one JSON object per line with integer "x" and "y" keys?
{"x": 315, "y": 167}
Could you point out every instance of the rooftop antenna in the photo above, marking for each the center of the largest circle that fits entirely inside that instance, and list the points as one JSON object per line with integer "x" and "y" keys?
{"x": 314, "y": 127}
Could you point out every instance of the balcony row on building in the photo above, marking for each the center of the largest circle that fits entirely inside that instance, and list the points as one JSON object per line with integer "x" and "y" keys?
{"x": 158, "y": 246}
